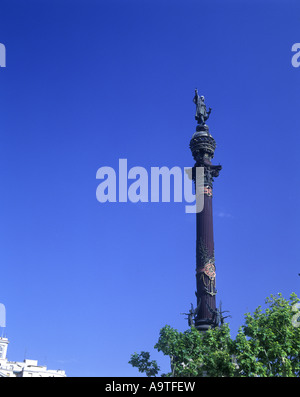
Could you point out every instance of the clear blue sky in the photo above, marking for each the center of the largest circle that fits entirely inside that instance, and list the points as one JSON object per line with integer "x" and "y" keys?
{"x": 88, "y": 82}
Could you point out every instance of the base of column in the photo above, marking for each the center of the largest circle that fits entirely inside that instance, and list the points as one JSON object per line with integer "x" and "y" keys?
{"x": 203, "y": 325}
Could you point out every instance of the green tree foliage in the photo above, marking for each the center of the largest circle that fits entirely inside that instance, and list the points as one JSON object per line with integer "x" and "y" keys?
{"x": 143, "y": 363}
{"x": 268, "y": 344}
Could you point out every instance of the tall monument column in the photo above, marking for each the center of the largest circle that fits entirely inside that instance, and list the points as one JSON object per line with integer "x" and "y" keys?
{"x": 203, "y": 146}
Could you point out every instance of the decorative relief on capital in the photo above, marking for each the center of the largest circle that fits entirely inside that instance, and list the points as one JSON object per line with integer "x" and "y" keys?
{"x": 210, "y": 172}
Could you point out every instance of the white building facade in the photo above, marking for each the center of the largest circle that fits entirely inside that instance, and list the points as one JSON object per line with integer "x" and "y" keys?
{"x": 26, "y": 368}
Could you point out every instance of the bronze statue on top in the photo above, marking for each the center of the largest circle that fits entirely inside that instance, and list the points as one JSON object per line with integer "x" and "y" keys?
{"x": 201, "y": 113}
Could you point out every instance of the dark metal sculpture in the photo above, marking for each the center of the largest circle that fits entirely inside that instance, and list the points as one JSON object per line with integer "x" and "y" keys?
{"x": 201, "y": 113}
{"x": 217, "y": 315}
{"x": 191, "y": 315}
